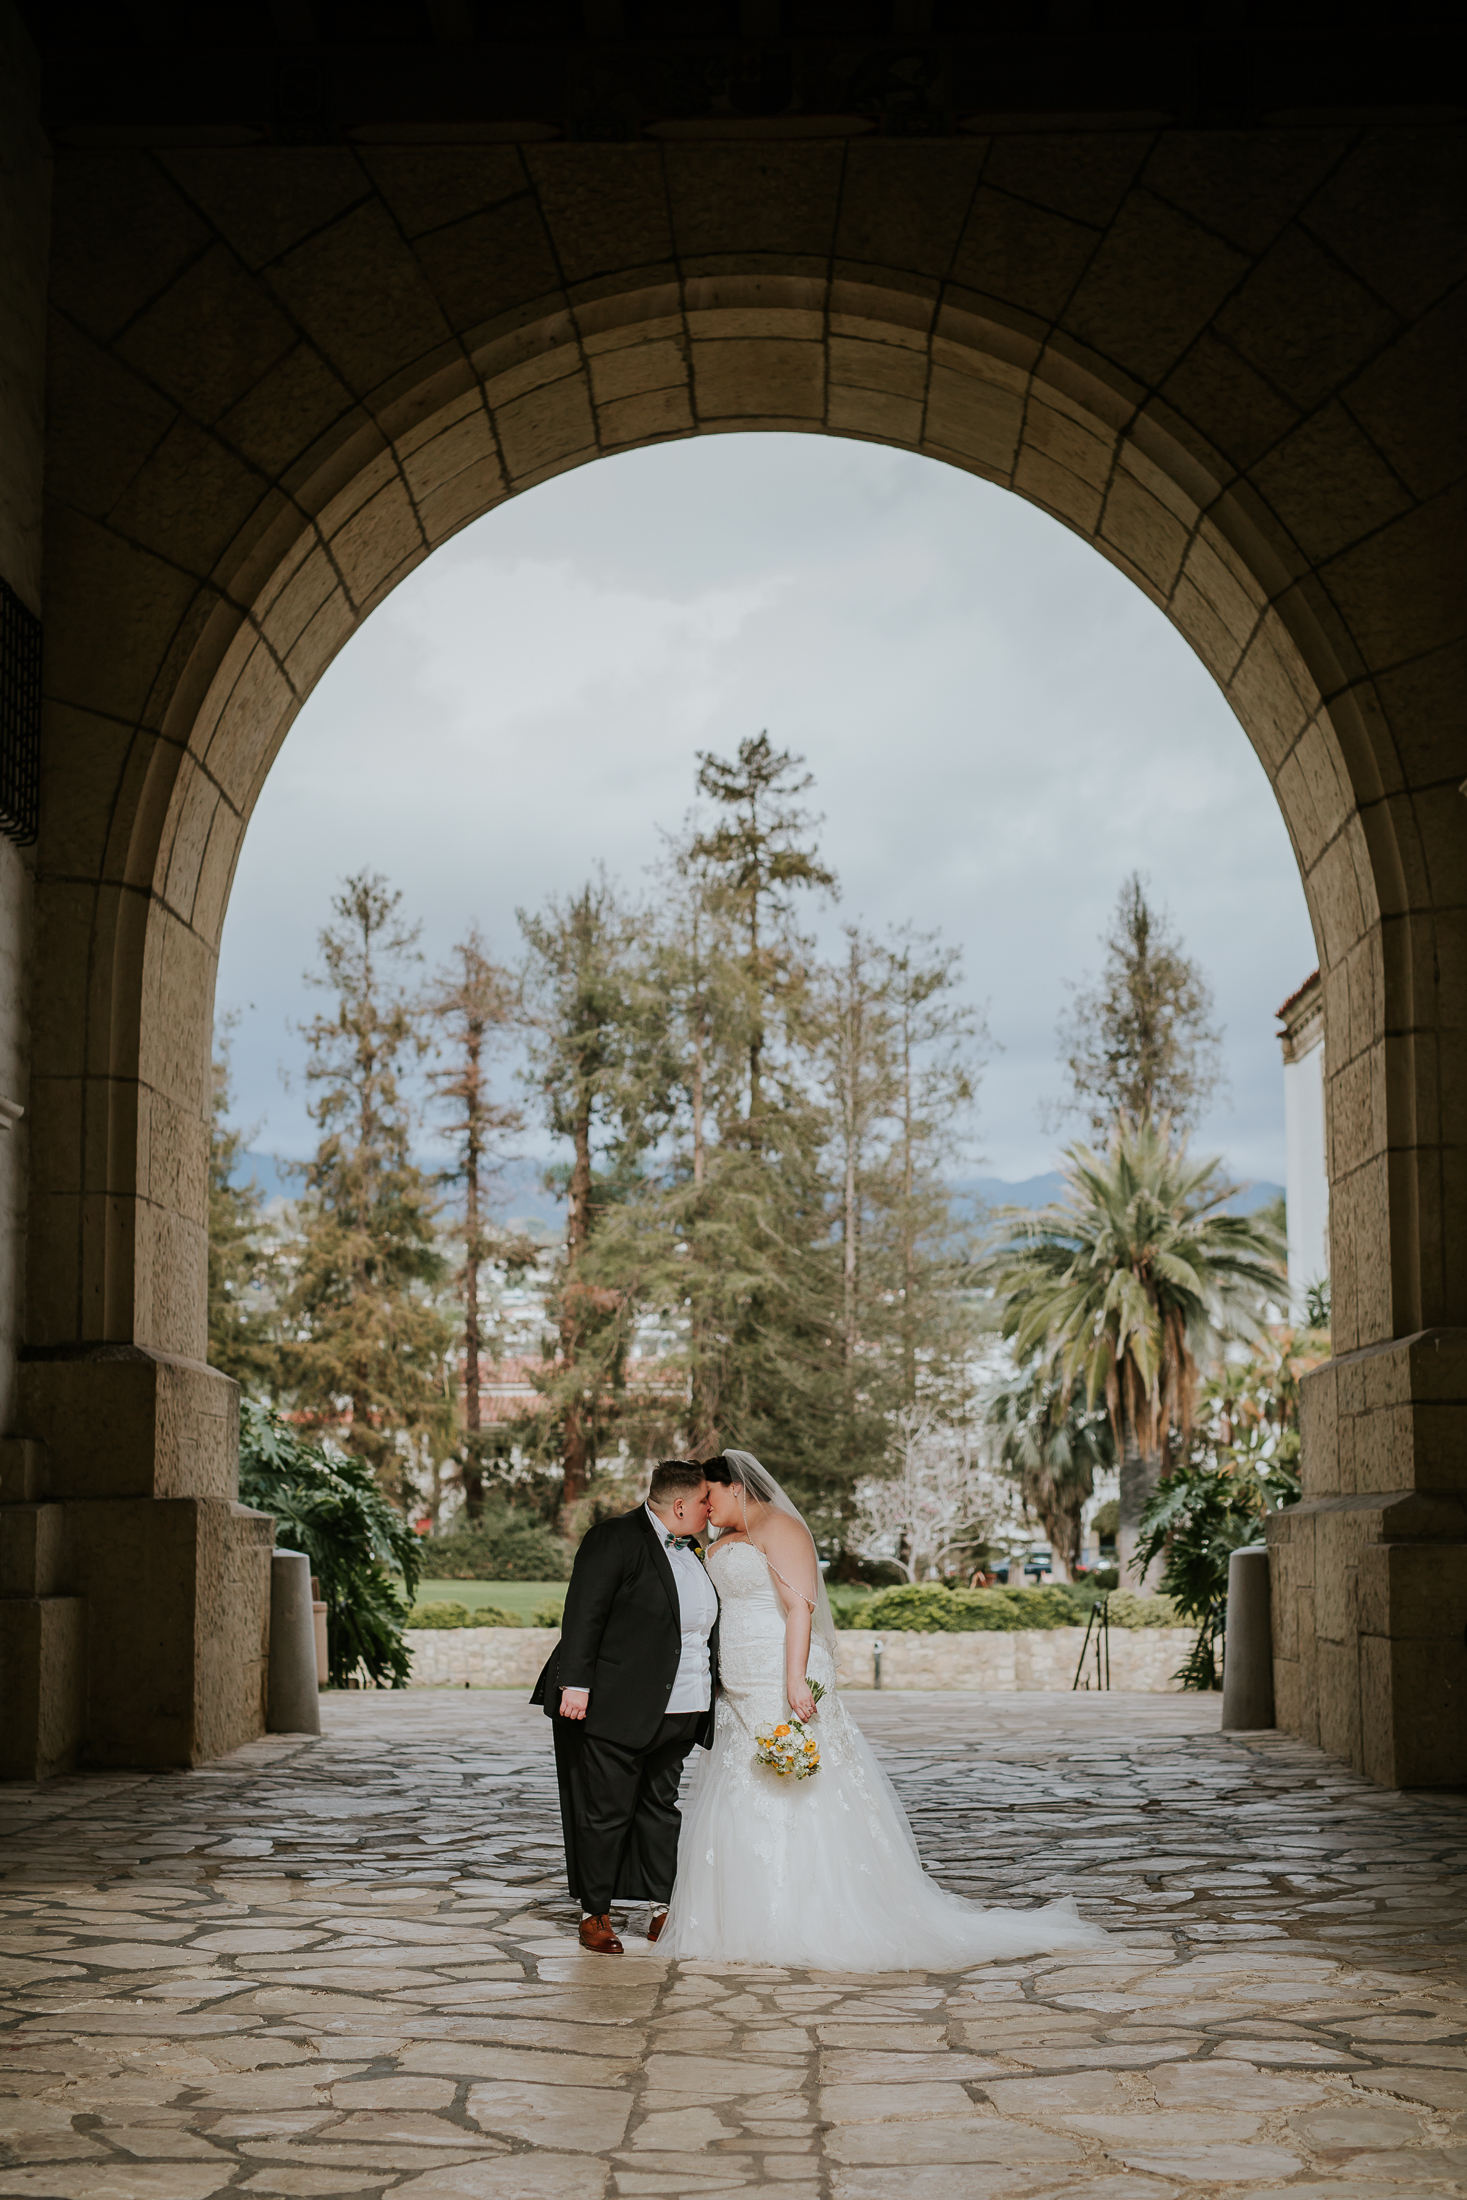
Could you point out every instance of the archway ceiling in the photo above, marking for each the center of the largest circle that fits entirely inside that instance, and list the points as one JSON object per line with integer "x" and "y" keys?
{"x": 280, "y": 375}
{"x": 308, "y": 71}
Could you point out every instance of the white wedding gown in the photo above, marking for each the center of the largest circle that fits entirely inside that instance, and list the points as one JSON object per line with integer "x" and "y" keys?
{"x": 822, "y": 1873}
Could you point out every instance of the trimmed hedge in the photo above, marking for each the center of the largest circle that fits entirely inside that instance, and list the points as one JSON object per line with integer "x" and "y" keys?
{"x": 930, "y": 1608}
{"x": 482, "y": 1615}
{"x": 1127, "y": 1609}
{"x": 918, "y": 1608}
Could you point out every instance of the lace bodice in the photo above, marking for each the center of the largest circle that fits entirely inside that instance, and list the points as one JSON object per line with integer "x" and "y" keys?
{"x": 741, "y": 1575}
{"x": 751, "y": 1637}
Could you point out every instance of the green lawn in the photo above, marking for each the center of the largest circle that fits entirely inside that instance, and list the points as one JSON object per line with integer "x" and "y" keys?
{"x": 511, "y": 1596}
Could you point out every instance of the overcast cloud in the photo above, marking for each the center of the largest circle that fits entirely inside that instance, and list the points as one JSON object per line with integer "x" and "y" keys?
{"x": 1000, "y": 725}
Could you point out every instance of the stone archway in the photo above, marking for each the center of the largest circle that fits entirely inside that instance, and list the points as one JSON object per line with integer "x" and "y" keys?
{"x": 279, "y": 378}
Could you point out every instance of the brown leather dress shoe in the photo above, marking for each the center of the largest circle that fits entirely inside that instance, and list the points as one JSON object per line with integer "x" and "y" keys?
{"x": 598, "y": 1935}
{"x": 655, "y": 1924}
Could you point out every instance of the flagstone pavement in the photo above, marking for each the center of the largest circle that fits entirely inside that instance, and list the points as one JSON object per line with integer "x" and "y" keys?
{"x": 338, "y": 1966}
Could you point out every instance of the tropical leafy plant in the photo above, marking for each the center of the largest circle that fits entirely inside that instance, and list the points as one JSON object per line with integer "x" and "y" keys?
{"x": 329, "y": 1506}
{"x": 1052, "y": 1442}
{"x": 1200, "y": 1515}
{"x": 1119, "y": 1287}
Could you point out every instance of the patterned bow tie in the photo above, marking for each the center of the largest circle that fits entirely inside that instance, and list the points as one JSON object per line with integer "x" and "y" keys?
{"x": 680, "y": 1542}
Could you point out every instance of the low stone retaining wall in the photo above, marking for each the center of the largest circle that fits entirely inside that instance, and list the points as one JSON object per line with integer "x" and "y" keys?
{"x": 479, "y": 1657}
{"x": 1141, "y": 1658}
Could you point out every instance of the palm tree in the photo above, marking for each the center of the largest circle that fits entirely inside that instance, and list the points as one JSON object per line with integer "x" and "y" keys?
{"x": 1126, "y": 1280}
{"x": 1051, "y": 1443}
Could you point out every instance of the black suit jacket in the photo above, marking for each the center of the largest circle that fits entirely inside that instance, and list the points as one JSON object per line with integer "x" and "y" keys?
{"x": 622, "y": 1635}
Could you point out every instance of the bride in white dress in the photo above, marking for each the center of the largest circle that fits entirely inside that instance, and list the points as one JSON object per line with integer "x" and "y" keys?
{"x": 820, "y": 1873}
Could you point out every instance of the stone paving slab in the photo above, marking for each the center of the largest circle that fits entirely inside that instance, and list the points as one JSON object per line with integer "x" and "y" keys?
{"x": 340, "y": 1966}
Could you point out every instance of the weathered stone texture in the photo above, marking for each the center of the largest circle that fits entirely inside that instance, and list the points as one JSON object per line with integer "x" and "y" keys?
{"x": 282, "y": 374}
{"x": 1370, "y": 1571}
{"x": 349, "y": 1964}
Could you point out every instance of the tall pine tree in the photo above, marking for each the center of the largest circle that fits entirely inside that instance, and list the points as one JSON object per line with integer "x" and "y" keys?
{"x": 594, "y": 1027}
{"x": 472, "y": 1008}
{"x": 243, "y": 1259}
{"x": 938, "y": 1042}
{"x": 900, "y": 1057}
{"x": 369, "y": 1349}
{"x": 756, "y": 859}
{"x": 1139, "y": 1041}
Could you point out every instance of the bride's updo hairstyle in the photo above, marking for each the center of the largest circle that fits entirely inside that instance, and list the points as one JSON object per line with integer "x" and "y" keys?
{"x": 739, "y": 1470}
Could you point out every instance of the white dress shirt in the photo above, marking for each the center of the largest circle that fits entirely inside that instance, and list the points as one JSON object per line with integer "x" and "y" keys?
{"x": 692, "y": 1690}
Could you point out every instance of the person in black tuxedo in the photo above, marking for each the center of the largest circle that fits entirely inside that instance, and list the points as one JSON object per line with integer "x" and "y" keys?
{"x": 629, "y": 1687}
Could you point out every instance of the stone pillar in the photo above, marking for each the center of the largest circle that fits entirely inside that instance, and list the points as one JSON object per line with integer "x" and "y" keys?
{"x": 1370, "y": 1569}
{"x": 141, "y": 1456}
{"x": 40, "y": 1626}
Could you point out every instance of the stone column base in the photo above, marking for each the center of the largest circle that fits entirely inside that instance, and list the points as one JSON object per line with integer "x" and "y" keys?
{"x": 135, "y": 1597}
{"x": 1369, "y": 1575}
{"x": 42, "y": 1685}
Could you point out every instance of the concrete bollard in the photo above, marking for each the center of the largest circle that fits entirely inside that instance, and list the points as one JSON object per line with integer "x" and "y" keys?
{"x": 1248, "y": 1651}
{"x": 294, "y": 1704}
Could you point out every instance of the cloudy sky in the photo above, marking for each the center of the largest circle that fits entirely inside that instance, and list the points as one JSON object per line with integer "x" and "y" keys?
{"x": 1001, "y": 727}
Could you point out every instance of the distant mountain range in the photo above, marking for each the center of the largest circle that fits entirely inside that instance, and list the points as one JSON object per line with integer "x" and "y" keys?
{"x": 1038, "y": 1191}
{"x": 523, "y": 1197}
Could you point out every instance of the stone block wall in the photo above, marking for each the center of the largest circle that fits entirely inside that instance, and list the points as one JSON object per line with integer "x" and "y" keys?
{"x": 41, "y": 1630}
{"x": 1142, "y": 1658}
{"x": 281, "y": 374}
{"x": 1369, "y": 1571}
{"x": 122, "y": 1509}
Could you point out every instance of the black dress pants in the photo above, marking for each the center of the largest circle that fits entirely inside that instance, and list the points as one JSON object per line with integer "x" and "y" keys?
{"x": 618, "y": 1808}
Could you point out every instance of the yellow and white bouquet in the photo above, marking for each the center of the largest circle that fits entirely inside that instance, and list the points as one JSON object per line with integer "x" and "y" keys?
{"x": 789, "y": 1749}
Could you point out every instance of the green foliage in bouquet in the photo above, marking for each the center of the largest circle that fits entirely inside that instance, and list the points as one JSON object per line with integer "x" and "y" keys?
{"x": 329, "y": 1506}
{"x": 505, "y": 1544}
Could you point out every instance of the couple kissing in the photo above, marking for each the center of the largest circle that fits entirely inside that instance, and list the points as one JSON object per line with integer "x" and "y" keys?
{"x": 663, "y": 1648}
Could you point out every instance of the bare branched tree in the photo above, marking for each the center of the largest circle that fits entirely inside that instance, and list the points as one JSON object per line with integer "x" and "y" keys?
{"x": 949, "y": 1500}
